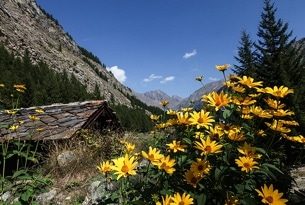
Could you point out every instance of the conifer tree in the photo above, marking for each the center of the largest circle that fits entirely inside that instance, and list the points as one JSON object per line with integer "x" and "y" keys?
{"x": 245, "y": 58}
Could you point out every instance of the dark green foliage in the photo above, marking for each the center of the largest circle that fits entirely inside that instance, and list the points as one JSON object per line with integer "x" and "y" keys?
{"x": 133, "y": 119}
{"x": 44, "y": 86}
{"x": 245, "y": 57}
{"x": 89, "y": 55}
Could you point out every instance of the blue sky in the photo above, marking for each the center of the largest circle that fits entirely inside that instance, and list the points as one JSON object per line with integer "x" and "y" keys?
{"x": 165, "y": 44}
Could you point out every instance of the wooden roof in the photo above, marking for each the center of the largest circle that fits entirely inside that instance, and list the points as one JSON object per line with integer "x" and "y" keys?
{"x": 59, "y": 121}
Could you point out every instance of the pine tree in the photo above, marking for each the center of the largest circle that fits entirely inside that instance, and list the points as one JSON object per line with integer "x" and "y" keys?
{"x": 279, "y": 60}
{"x": 245, "y": 58}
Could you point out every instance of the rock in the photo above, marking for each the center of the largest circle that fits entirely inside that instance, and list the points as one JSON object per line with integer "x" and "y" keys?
{"x": 298, "y": 175}
{"x": 66, "y": 158}
{"x": 99, "y": 191}
{"x": 46, "y": 198}
{"x": 5, "y": 196}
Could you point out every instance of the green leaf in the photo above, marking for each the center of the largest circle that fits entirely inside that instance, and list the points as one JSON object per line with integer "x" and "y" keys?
{"x": 271, "y": 166}
{"x": 188, "y": 141}
{"x": 201, "y": 199}
{"x": 226, "y": 113}
{"x": 19, "y": 173}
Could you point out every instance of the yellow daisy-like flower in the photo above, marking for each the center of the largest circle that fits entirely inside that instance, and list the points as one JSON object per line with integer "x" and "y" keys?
{"x": 34, "y": 118}
{"x": 171, "y": 122}
{"x": 232, "y": 200}
{"x": 282, "y": 113}
{"x": 215, "y": 132}
{"x": 183, "y": 118}
{"x": 184, "y": 199}
{"x": 2, "y": 85}
{"x": 171, "y": 112}
{"x": 271, "y": 196}
{"x": 275, "y": 104}
{"x": 248, "y": 151}
{"x": 261, "y": 133}
{"x": 246, "y": 164}
{"x": 289, "y": 122}
{"x": 298, "y": 138}
{"x": 153, "y": 154}
{"x": 186, "y": 109}
{"x": 199, "y": 135}
{"x": 191, "y": 178}
{"x": 176, "y": 146}
{"x": 278, "y": 126}
{"x": 236, "y": 134}
{"x": 20, "y": 88}
{"x": 243, "y": 101}
{"x": 201, "y": 119}
{"x": 249, "y": 82}
{"x": 105, "y": 167}
{"x": 13, "y": 128}
{"x": 164, "y": 103}
{"x": 217, "y": 100}
{"x": 11, "y": 112}
{"x": 237, "y": 88}
{"x": 222, "y": 67}
{"x": 154, "y": 117}
{"x": 208, "y": 147}
{"x": 200, "y": 167}
{"x": 124, "y": 166}
{"x": 167, "y": 164}
{"x": 165, "y": 200}
{"x": 129, "y": 147}
{"x": 259, "y": 112}
{"x": 280, "y": 92}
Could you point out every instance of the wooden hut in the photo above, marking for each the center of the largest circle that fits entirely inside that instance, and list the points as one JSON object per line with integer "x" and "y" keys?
{"x": 58, "y": 121}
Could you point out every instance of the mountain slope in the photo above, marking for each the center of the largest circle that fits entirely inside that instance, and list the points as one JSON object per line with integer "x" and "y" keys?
{"x": 194, "y": 98}
{"x": 153, "y": 98}
{"x": 24, "y": 26}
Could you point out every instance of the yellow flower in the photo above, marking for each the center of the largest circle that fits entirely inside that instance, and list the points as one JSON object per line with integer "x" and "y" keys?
{"x": 183, "y": 118}
{"x": 185, "y": 199}
{"x": 39, "y": 129}
{"x": 235, "y": 134}
{"x": 39, "y": 111}
{"x": 289, "y": 122}
{"x": 167, "y": 164}
{"x": 235, "y": 87}
{"x": 191, "y": 178}
{"x": 249, "y": 82}
{"x": 124, "y": 166}
{"x": 201, "y": 119}
{"x": 208, "y": 147}
{"x": 20, "y": 87}
{"x": 222, "y": 67}
{"x": 282, "y": 113}
{"x": 165, "y": 200}
{"x": 153, "y": 154}
{"x": 259, "y": 112}
{"x": 171, "y": 112}
{"x": 105, "y": 167}
{"x": 278, "y": 126}
{"x": 164, "y": 103}
{"x": 243, "y": 101}
{"x": 216, "y": 100}
{"x": 13, "y": 128}
{"x": 2, "y": 85}
{"x": 33, "y": 118}
{"x": 298, "y": 138}
{"x": 232, "y": 200}
{"x": 129, "y": 147}
{"x": 278, "y": 91}
{"x": 171, "y": 122}
{"x": 154, "y": 117}
{"x": 215, "y": 132}
{"x": 248, "y": 151}
{"x": 261, "y": 133}
{"x": 246, "y": 164}
{"x": 176, "y": 146}
{"x": 275, "y": 104}
{"x": 200, "y": 167}
{"x": 186, "y": 109}
{"x": 271, "y": 196}
{"x": 199, "y": 135}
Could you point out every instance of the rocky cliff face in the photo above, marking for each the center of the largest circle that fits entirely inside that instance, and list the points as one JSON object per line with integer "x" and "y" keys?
{"x": 25, "y": 26}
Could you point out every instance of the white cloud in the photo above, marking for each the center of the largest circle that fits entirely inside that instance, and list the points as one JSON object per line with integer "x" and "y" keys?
{"x": 152, "y": 77}
{"x": 167, "y": 79}
{"x": 191, "y": 54}
{"x": 213, "y": 79}
{"x": 118, "y": 73}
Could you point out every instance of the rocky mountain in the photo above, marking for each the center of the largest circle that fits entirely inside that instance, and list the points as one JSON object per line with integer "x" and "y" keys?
{"x": 194, "y": 98}
{"x": 25, "y": 26}
{"x": 153, "y": 98}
